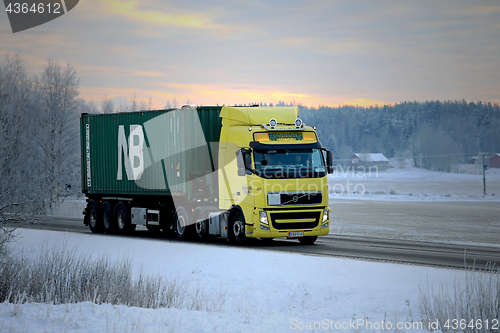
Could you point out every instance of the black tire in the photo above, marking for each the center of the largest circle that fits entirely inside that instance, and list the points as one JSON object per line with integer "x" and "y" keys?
{"x": 237, "y": 228}
{"x": 181, "y": 223}
{"x": 121, "y": 219}
{"x": 200, "y": 225}
{"x": 91, "y": 216}
{"x": 106, "y": 218}
{"x": 308, "y": 240}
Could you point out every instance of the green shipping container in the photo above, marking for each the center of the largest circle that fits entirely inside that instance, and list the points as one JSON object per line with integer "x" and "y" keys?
{"x": 156, "y": 152}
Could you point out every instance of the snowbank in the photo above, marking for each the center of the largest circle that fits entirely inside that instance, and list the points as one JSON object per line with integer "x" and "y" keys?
{"x": 264, "y": 291}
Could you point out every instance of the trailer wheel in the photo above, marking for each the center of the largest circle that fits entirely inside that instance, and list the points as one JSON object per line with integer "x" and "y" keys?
{"x": 94, "y": 225}
{"x": 105, "y": 218}
{"x": 122, "y": 221}
{"x": 237, "y": 228}
{"x": 181, "y": 223}
{"x": 308, "y": 240}
{"x": 200, "y": 225}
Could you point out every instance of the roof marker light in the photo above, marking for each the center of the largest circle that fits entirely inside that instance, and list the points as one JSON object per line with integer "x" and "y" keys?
{"x": 298, "y": 122}
{"x": 273, "y": 123}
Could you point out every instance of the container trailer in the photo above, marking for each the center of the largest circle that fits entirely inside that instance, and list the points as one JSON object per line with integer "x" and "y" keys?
{"x": 206, "y": 171}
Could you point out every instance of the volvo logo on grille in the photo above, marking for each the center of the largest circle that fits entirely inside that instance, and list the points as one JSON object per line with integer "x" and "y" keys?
{"x": 294, "y": 198}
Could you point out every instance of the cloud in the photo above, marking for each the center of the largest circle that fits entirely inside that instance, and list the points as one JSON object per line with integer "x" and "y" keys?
{"x": 492, "y": 9}
{"x": 133, "y": 11}
{"x": 146, "y": 73}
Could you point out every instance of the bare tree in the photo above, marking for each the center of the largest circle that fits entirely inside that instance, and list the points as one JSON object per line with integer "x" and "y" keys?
{"x": 150, "y": 103}
{"x": 123, "y": 107}
{"x": 17, "y": 108}
{"x": 107, "y": 105}
{"x": 39, "y": 135}
{"x": 134, "y": 103}
{"x": 433, "y": 149}
{"x": 143, "y": 105}
{"x": 87, "y": 106}
{"x": 57, "y": 92}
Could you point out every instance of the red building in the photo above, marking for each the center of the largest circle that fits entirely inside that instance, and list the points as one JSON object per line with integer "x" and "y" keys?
{"x": 495, "y": 161}
{"x": 359, "y": 161}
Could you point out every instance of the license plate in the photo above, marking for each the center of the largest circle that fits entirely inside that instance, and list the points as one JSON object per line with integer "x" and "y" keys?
{"x": 293, "y": 234}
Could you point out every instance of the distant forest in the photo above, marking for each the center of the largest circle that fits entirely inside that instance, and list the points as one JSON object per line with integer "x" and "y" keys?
{"x": 437, "y": 135}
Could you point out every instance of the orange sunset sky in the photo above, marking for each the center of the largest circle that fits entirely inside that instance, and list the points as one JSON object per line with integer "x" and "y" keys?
{"x": 240, "y": 52}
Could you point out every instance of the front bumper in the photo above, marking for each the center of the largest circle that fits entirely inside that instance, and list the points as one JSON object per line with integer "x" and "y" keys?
{"x": 281, "y": 222}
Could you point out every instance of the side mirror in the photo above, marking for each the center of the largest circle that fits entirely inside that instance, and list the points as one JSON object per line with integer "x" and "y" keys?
{"x": 244, "y": 162}
{"x": 329, "y": 162}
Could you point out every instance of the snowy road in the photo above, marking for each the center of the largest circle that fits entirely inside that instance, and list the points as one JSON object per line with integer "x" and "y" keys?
{"x": 364, "y": 248}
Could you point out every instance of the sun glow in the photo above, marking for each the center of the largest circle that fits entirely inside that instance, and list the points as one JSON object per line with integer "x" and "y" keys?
{"x": 182, "y": 93}
{"x": 132, "y": 11}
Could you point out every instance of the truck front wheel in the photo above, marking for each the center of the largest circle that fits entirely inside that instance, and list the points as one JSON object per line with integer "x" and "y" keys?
{"x": 237, "y": 228}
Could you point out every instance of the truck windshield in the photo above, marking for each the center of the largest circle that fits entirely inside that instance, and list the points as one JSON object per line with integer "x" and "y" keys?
{"x": 289, "y": 163}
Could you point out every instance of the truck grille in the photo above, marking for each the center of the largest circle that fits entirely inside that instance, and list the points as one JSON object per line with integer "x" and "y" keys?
{"x": 283, "y": 221}
{"x": 294, "y": 199}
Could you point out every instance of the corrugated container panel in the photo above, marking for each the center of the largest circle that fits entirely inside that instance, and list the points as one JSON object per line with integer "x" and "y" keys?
{"x": 171, "y": 145}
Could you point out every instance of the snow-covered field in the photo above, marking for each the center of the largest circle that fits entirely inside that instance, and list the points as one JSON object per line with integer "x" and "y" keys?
{"x": 450, "y": 221}
{"x": 259, "y": 291}
{"x": 411, "y": 203}
{"x": 407, "y": 183}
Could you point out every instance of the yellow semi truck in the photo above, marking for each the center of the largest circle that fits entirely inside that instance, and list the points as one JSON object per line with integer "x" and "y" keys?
{"x": 229, "y": 172}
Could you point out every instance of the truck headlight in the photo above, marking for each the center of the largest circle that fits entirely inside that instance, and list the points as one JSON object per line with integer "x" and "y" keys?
{"x": 263, "y": 217}
{"x": 326, "y": 215}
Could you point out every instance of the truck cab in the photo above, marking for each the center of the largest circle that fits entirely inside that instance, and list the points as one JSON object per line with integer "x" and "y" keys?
{"x": 278, "y": 185}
